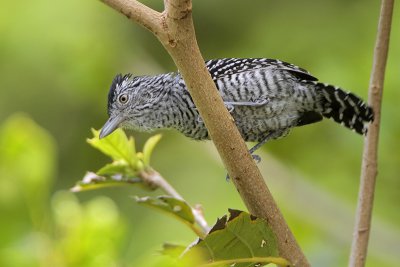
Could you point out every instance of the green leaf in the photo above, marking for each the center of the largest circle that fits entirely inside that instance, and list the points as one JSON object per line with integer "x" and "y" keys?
{"x": 117, "y": 167}
{"x": 127, "y": 165}
{"x": 240, "y": 239}
{"x": 177, "y": 208}
{"x": 149, "y": 147}
{"x": 173, "y": 206}
{"x": 175, "y": 252}
{"x": 254, "y": 261}
{"x": 116, "y": 145}
{"x": 93, "y": 181}
{"x": 172, "y": 250}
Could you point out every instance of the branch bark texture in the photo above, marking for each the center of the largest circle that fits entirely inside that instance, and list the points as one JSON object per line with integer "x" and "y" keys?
{"x": 369, "y": 169}
{"x": 174, "y": 29}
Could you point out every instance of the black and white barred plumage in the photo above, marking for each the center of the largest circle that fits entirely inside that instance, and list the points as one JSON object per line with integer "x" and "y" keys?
{"x": 264, "y": 96}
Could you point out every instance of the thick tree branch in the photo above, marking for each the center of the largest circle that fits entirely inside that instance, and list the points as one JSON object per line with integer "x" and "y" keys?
{"x": 369, "y": 169}
{"x": 178, "y": 38}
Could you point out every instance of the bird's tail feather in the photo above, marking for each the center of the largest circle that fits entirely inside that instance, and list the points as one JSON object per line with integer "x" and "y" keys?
{"x": 344, "y": 107}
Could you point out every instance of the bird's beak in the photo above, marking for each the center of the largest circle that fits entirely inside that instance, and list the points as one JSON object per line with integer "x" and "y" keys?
{"x": 110, "y": 126}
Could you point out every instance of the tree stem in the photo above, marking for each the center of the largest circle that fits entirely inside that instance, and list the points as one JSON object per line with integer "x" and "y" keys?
{"x": 369, "y": 167}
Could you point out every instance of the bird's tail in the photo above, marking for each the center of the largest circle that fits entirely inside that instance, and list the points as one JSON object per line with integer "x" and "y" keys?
{"x": 344, "y": 107}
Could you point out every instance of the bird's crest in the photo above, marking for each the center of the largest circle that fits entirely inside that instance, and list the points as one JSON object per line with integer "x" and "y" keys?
{"x": 117, "y": 82}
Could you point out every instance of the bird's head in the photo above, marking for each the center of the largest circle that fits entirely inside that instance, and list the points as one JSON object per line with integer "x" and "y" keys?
{"x": 129, "y": 100}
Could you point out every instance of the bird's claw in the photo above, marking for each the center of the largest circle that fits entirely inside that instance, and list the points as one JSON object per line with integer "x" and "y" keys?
{"x": 256, "y": 158}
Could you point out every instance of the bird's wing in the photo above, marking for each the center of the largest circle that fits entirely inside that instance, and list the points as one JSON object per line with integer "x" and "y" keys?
{"x": 223, "y": 67}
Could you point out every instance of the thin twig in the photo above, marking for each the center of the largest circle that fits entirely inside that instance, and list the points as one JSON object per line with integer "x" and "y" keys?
{"x": 155, "y": 180}
{"x": 370, "y": 154}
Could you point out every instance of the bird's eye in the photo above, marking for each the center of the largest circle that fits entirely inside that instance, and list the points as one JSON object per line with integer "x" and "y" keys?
{"x": 123, "y": 98}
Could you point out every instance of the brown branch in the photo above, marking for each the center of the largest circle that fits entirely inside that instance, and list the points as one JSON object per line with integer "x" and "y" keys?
{"x": 369, "y": 169}
{"x": 179, "y": 39}
{"x": 177, "y": 9}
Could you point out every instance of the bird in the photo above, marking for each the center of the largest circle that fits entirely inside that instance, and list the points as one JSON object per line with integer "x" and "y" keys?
{"x": 265, "y": 97}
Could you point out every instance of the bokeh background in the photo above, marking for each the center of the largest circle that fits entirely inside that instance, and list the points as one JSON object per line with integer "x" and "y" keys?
{"x": 57, "y": 60}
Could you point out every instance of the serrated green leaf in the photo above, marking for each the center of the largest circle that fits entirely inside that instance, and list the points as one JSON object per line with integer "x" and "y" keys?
{"x": 239, "y": 239}
{"x": 149, "y": 147}
{"x": 116, "y": 145}
{"x": 173, "y": 206}
{"x": 93, "y": 181}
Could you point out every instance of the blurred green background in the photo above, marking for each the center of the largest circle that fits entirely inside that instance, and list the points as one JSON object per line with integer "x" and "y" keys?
{"x": 57, "y": 60}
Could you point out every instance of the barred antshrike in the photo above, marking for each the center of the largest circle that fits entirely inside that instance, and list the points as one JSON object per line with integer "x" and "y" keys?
{"x": 265, "y": 97}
